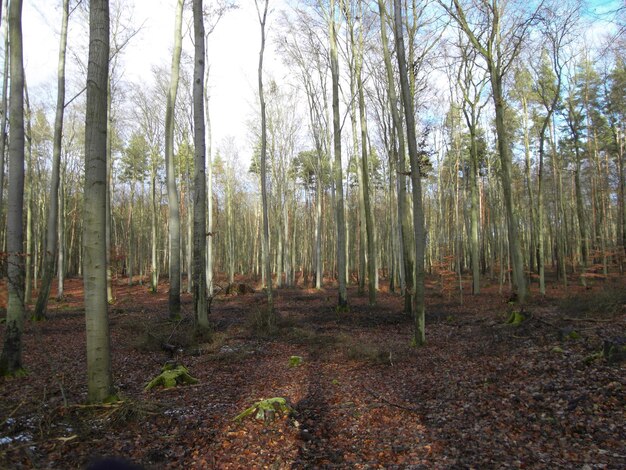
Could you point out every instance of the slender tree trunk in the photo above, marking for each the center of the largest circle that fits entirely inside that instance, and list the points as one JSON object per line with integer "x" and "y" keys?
{"x": 28, "y": 187}
{"x": 154, "y": 268}
{"x": 130, "y": 253}
{"x": 61, "y": 238}
{"x": 540, "y": 216}
{"x": 172, "y": 191}
{"x": 109, "y": 189}
{"x": 418, "y": 212}
{"x": 3, "y": 116}
{"x": 99, "y": 378}
{"x": 209, "y": 185}
{"x": 337, "y": 171}
{"x": 53, "y": 211}
{"x": 517, "y": 260}
{"x": 266, "y": 230}
{"x": 403, "y": 212}
{"x": 11, "y": 358}
{"x": 199, "y": 194}
{"x": 319, "y": 273}
{"x": 474, "y": 214}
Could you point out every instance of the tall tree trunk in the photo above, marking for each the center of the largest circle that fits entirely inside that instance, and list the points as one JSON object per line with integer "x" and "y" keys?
{"x": 130, "y": 251}
{"x": 61, "y": 238}
{"x": 172, "y": 191}
{"x": 11, "y": 358}
{"x": 474, "y": 213}
{"x": 109, "y": 190}
{"x": 53, "y": 206}
{"x": 28, "y": 188}
{"x": 540, "y": 214}
{"x": 418, "y": 211}
{"x": 209, "y": 184}
{"x": 266, "y": 230}
{"x": 99, "y": 378}
{"x": 3, "y": 116}
{"x": 319, "y": 273}
{"x": 154, "y": 268}
{"x": 199, "y": 184}
{"x": 340, "y": 219}
{"x": 403, "y": 212}
{"x": 517, "y": 260}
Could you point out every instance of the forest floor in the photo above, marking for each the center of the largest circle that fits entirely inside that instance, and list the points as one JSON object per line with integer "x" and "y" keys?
{"x": 480, "y": 394}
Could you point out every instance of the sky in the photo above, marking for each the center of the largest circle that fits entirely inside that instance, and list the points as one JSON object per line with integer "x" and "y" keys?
{"x": 233, "y": 54}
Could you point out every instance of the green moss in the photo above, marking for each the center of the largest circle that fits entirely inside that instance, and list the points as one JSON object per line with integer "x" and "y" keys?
{"x": 516, "y": 318}
{"x": 593, "y": 357}
{"x": 573, "y": 335}
{"x": 557, "y": 350}
{"x": 18, "y": 373}
{"x": 171, "y": 375}
{"x": 295, "y": 361}
{"x": 266, "y": 410}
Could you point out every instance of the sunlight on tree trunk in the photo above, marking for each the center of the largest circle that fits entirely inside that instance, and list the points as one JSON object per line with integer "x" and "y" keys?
{"x": 99, "y": 380}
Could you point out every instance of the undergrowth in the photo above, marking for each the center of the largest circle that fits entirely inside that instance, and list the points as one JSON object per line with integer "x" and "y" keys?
{"x": 606, "y": 303}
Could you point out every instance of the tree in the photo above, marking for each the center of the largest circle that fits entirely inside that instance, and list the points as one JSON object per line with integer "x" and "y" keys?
{"x": 498, "y": 38}
{"x": 11, "y": 358}
{"x": 337, "y": 172}
{"x": 3, "y": 108}
{"x": 262, "y": 15}
{"x": 419, "y": 314}
{"x": 172, "y": 191}
{"x": 99, "y": 380}
{"x": 53, "y": 211}
{"x": 199, "y": 198}
{"x": 403, "y": 202}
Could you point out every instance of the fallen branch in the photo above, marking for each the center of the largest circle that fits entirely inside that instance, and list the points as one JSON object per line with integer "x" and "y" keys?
{"x": 593, "y": 320}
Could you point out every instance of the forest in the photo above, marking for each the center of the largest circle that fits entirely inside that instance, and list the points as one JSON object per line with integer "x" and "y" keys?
{"x": 414, "y": 260}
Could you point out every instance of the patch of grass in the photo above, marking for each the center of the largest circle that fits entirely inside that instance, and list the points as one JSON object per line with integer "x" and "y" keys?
{"x": 604, "y": 303}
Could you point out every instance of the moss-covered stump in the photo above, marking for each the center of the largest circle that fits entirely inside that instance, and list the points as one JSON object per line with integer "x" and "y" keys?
{"x": 266, "y": 410}
{"x": 516, "y": 318}
{"x": 171, "y": 375}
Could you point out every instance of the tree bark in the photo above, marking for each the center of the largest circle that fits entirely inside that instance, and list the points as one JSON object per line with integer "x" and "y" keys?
{"x": 199, "y": 194}
{"x": 99, "y": 383}
{"x": 419, "y": 316}
{"x": 172, "y": 191}
{"x": 3, "y": 111}
{"x": 403, "y": 210}
{"x": 11, "y": 358}
{"x": 340, "y": 221}
{"x": 266, "y": 230}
